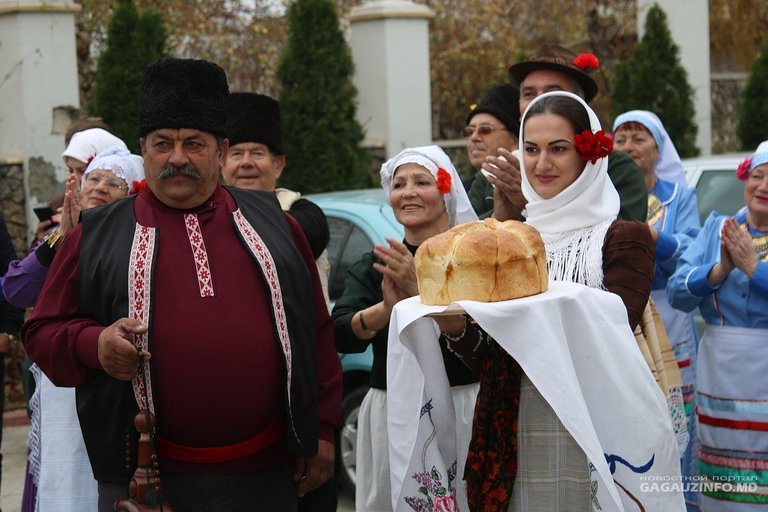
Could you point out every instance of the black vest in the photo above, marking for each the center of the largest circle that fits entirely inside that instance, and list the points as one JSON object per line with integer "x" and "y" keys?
{"x": 106, "y": 406}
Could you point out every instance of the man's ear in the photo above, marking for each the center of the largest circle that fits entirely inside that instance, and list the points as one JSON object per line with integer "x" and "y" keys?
{"x": 143, "y": 148}
{"x": 223, "y": 150}
{"x": 280, "y": 162}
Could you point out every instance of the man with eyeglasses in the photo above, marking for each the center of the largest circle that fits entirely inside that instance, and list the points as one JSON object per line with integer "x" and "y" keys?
{"x": 256, "y": 161}
{"x": 491, "y": 131}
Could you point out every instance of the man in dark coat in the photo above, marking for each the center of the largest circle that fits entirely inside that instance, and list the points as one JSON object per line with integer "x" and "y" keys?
{"x": 198, "y": 303}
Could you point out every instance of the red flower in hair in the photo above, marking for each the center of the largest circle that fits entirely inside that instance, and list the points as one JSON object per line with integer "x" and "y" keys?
{"x": 587, "y": 61}
{"x": 443, "y": 181}
{"x": 591, "y": 146}
{"x": 138, "y": 186}
{"x": 742, "y": 171}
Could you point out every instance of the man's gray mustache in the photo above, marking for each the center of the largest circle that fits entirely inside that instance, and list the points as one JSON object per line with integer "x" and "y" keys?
{"x": 172, "y": 170}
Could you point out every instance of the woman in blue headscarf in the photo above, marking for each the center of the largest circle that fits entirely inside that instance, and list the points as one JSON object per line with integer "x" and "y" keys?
{"x": 725, "y": 273}
{"x": 673, "y": 216}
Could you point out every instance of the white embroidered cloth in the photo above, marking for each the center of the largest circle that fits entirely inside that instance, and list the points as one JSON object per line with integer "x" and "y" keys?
{"x": 576, "y": 347}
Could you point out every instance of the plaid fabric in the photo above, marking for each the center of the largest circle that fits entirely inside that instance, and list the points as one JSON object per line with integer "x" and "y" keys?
{"x": 552, "y": 472}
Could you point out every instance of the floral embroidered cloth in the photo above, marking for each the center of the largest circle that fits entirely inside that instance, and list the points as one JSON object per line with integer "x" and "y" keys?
{"x": 576, "y": 347}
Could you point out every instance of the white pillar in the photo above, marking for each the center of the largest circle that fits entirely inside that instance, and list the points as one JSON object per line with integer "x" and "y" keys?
{"x": 38, "y": 91}
{"x": 390, "y": 49}
{"x": 689, "y": 25}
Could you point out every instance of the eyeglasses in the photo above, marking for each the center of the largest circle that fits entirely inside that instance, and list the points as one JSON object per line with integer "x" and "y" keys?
{"x": 93, "y": 180}
{"x": 483, "y": 129}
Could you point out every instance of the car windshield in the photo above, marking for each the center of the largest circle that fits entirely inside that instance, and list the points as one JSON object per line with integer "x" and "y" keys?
{"x": 719, "y": 190}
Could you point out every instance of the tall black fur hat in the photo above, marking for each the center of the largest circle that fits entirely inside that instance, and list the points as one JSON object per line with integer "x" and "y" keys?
{"x": 501, "y": 101}
{"x": 254, "y": 118}
{"x": 184, "y": 93}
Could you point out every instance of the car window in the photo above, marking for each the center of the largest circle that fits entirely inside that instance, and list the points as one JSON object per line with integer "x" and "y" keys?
{"x": 719, "y": 190}
{"x": 348, "y": 243}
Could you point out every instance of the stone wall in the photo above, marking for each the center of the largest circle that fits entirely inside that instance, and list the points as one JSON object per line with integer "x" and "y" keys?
{"x": 12, "y": 202}
{"x": 726, "y": 89}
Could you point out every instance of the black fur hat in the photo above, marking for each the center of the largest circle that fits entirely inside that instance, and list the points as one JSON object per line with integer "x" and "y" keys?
{"x": 501, "y": 101}
{"x": 184, "y": 93}
{"x": 254, "y": 118}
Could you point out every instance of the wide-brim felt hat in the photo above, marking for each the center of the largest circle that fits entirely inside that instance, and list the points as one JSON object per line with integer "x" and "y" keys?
{"x": 502, "y": 102}
{"x": 556, "y": 58}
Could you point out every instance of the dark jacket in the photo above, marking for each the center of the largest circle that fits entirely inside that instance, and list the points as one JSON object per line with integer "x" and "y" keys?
{"x": 106, "y": 406}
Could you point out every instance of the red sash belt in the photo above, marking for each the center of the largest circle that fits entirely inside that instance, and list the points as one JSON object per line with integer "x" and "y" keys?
{"x": 211, "y": 454}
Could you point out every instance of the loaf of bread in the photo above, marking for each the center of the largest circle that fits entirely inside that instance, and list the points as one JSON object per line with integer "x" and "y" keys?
{"x": 487, "y": 261}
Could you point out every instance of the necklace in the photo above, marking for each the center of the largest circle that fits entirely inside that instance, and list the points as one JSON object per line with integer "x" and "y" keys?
{"x": 759, "y": 241}
{"x": 654, "y": 209}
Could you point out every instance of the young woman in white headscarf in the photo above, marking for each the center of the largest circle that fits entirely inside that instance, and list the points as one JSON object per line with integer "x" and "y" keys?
{"x": 673, "y": 216}
{"x": 574, "y": 206}
{"x": 59, "y": 473}
{"x": 426, "y": 194}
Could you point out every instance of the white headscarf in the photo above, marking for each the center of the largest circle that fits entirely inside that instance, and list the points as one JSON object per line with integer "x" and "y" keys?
{"x": 433, "y": 158}
{"x": 121, "y": 163}
{"x": 573, "y": 224}
{"x": 87, "y": 144}
{"x": 668, "y": 166}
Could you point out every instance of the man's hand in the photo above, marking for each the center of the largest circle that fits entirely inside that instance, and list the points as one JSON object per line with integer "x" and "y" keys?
{"x": 117, "y": 353}
{"x": 313, "y": 471}
{"x": 508, "y": 199}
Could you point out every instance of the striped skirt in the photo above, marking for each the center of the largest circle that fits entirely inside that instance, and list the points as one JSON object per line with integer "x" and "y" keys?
{"x": 732, "y": 407}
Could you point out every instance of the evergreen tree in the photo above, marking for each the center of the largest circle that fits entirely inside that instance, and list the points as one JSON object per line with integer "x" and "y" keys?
{"x": 133, "y": 41}
{"x": 753, "y": 108}
{"x": 321, "y": 135}
{"x": 653, "y": 79}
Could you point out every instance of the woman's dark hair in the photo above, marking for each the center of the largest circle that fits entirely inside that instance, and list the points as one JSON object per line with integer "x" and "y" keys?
{"x": 564, "y": 106}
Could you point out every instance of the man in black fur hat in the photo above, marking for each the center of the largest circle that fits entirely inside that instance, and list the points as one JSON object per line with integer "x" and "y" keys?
{"x": 256, "y": 160}
{"x": 220, "y": 286}
{"x": 492, "y": 125}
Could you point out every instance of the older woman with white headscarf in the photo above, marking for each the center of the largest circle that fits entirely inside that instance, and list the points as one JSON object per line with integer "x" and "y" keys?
{"x": 58, "y": 464}
{"x": 673, "y": 216}
{"x": 425, "y": 192}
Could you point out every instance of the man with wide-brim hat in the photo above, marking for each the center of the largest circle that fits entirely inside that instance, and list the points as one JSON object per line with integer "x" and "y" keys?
{"x": 202, "y": 305}
{"x": 492, "y": 125}
{"x": 554, "y": 68}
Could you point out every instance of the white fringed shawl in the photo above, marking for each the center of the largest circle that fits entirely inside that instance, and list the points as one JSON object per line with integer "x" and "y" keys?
{"x": 573, "y": 224}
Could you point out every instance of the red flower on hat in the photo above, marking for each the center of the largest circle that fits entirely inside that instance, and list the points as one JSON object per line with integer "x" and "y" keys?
{"x": 592, "y": 146}
{"x": 443, "y": 181}
{"x": 138, "y": 186}
{"x": 742, "y": 171}
{"x": 587, "y": 61}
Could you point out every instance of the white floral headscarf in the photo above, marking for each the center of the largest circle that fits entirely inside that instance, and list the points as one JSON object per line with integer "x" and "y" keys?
{"x": 121, "y": 163}
{"x": 433, "y": 159}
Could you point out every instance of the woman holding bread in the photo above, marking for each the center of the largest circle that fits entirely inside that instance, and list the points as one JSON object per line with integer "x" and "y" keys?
{"x": 427, "y": 197}
{"x": 574, "y": 206}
